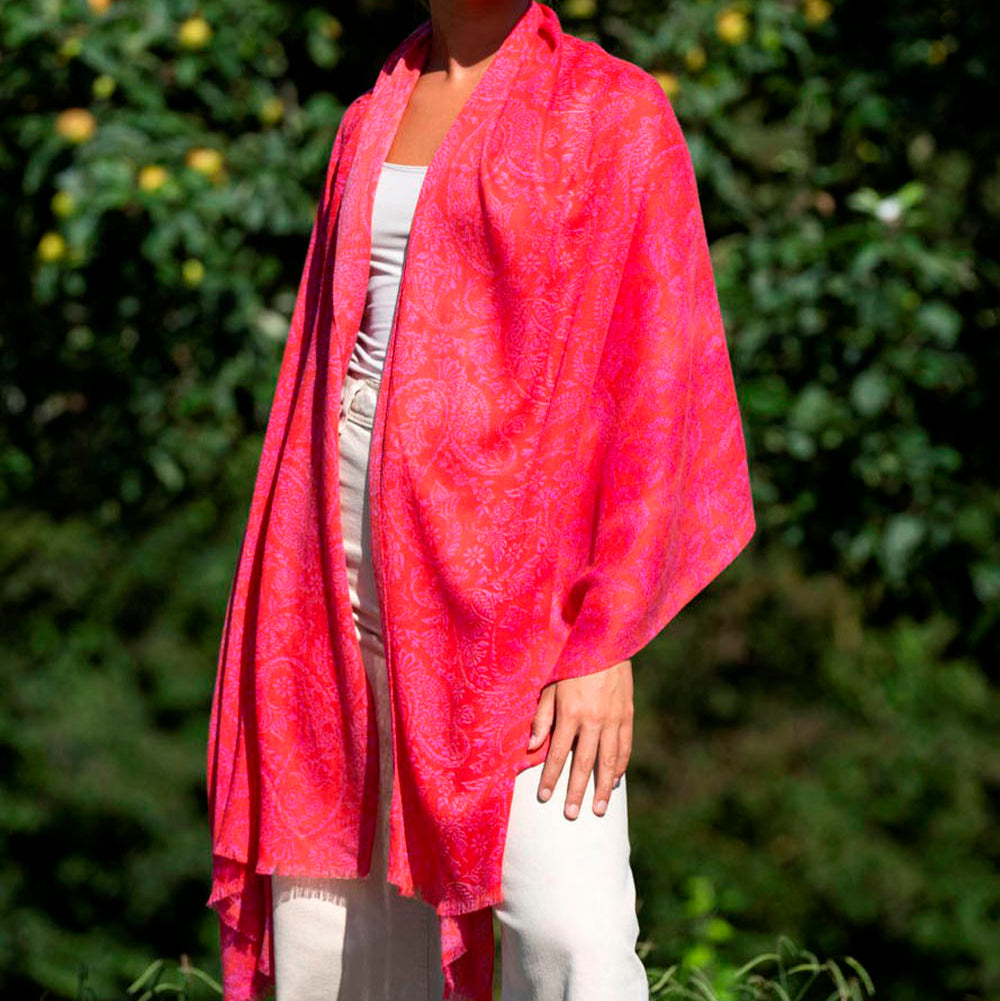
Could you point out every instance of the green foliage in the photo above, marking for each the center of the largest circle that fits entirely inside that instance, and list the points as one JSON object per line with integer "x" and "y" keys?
{"x": 160, "y": 979}
{"x": 102, "y": 731}
{"x": 825, "y": 766}
{"x": 157, "y": 221}
{"x": 699, "y": 977}
{"x": 150, "y": 983}
{"x": 832, "y": 777}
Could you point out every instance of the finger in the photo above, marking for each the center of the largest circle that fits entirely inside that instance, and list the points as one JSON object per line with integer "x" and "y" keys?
{"x": 607, "y": 762}
{"x": 584, "y": 755}
{"x": 624, "y": 747}
{"x": 544, "y": 714}
{"x": 559, "y": 746}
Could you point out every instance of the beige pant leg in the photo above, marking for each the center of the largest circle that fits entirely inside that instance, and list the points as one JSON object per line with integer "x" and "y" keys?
{"x": 568, "y": 921}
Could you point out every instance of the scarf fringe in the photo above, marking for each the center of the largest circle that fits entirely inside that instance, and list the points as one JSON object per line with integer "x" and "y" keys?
{"x": 242, "y": 901}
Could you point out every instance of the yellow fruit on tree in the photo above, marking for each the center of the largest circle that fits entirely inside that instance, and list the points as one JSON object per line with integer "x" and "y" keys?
{"x": 76, "y": 124}
{"x": 667, "y": 81}
{"x": 52, "y": 246}
{"x": 206, "y": 161}
{"x": 103, "y": 85}
{"x": 194, "y": 33}
{"x": 271, "y": 110}
{"x": 63, "y": 204}
{"x": 731, "y": 25}
{"x": 817, "y": 11}
{"x": 694, "y": 58}
{"x": 70, "y": 48}
{"x": 152, "y": 177}
{"x": 193, "y": 271}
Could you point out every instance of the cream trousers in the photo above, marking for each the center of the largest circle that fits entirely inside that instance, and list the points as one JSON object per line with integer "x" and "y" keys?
{"x": 568, "y": 925}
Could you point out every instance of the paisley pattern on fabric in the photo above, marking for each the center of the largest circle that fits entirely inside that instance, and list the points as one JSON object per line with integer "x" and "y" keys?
{"x": 557, "y": 467}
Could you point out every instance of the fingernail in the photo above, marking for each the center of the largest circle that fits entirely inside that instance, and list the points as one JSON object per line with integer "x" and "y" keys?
{"x": 544, "y": 794}
{"x": 601, "y": 805}
{"x": 572, "y": 810}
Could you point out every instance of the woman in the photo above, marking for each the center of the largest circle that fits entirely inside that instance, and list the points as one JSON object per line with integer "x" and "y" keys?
{"x": 508, "y": 301}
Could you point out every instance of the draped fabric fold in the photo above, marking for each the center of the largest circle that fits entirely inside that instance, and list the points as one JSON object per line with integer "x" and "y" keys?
{"x": 557, "y": 467}
{"x": 672, "y": 506}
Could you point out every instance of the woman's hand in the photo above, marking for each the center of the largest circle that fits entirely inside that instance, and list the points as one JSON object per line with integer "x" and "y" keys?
{"x": 594, "y": 710}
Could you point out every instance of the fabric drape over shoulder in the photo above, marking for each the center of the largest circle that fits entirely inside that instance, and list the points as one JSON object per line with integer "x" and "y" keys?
{"x": 557, "y": 467}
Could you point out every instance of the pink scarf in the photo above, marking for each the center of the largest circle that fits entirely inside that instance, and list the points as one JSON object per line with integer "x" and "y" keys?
{"x": 557, "y": 468}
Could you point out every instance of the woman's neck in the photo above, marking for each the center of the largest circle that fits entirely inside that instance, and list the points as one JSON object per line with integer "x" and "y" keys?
{"x": 465, "y": 35}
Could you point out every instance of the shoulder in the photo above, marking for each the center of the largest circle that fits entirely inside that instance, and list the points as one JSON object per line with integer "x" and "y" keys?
{"x": 617, "y": 126}
{"x": 624, "y": 99}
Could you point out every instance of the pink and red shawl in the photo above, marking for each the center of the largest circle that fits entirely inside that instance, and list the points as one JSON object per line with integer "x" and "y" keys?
{"x": 557, "y": 468}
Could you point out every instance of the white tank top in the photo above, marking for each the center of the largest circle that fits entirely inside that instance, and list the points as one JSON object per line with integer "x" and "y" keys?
{"x": 395, "y": 202}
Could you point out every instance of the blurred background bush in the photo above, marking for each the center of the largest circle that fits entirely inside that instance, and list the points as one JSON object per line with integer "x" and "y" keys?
{"x": 816, "y": 748}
